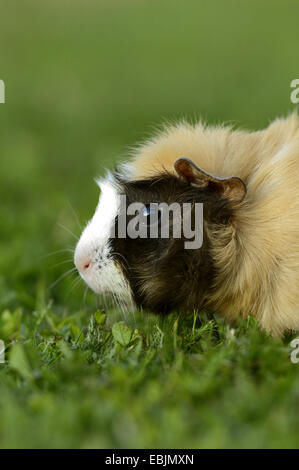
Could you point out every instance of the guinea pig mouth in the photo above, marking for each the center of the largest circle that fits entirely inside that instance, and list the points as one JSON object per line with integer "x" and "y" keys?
{"x": 108, "y": 279}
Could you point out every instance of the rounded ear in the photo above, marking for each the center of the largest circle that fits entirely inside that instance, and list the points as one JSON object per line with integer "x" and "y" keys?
{"x": 233, "y": 188}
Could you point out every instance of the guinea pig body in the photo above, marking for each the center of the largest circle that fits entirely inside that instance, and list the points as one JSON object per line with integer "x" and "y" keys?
{"x": 249, "y": 259}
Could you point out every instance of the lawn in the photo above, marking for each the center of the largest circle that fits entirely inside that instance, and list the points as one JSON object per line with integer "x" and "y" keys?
{"x": 85, "y": 80}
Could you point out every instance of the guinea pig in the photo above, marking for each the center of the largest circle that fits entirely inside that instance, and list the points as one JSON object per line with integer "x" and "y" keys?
{"x": 248, "y": 262}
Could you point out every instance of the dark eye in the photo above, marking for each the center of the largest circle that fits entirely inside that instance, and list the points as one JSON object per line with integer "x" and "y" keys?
{"x": 151, "y": 213}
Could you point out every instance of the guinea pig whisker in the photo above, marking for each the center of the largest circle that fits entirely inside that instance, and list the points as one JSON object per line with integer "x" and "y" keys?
{"x": 68, "y": 230}
{"x": 75, "y": 282}
{"x": 62, "y": 262}
{"x": 133, "y": 314}
{"x": 75, "y": 214}
{"x": 117, "y": 301}
{"x": 67, "y": 273}
{"x": 84, "y": 295}
{"x": 65, "y": 250}
{"x": 114, "y": 301}
{"x": 104, "y": 299}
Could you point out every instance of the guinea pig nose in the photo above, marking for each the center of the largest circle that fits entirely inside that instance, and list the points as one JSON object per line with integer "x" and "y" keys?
{"x": 82, "y": 262}
{"x": 84, "y": 265}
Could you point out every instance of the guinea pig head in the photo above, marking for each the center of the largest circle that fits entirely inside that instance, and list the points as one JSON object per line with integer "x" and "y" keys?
{"x": 155, "y": 272}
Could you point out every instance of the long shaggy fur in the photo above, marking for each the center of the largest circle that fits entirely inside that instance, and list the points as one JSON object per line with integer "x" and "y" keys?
{"x": 257, "y": 255}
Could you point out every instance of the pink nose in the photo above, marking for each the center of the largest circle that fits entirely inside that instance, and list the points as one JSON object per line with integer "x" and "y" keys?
{"x": 82, "y": 263}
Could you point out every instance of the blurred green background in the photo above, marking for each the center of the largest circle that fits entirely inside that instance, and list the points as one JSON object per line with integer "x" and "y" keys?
{"x": 85, "y": 80}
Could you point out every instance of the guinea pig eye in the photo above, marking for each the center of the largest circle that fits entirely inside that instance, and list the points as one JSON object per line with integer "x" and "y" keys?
{"x": 151, "y": 214}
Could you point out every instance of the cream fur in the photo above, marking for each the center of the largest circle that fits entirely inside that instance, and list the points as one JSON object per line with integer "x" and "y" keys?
{"x": 258, "y": 255}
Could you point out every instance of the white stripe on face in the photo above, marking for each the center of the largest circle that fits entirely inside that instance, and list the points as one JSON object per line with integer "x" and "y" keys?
{"x": 93, "y": 257}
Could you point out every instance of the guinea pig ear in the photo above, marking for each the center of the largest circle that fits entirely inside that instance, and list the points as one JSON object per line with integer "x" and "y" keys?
{"x": 232, "y": 187}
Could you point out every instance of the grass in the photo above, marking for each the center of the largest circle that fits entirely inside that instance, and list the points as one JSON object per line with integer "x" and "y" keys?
{"x": 171, "y": 383}
{"x": 84, "y": 81}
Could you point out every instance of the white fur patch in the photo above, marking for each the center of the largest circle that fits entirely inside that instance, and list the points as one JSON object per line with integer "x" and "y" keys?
{"x": 104, "y": 275}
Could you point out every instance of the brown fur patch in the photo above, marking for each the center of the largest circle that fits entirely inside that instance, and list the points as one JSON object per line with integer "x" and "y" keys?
{"x": 163, "y": 274}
